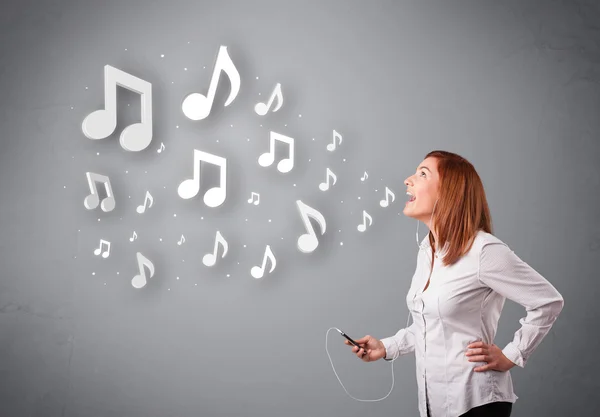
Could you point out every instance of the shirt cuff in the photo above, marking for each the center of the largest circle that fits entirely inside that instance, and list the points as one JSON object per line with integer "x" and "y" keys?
{"x": 390, "y": 348}
{"x": 514, "y": 354}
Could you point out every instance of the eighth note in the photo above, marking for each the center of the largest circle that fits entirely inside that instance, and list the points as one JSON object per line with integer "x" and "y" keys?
{"x": 267, "y": 158}
{"x": 262, "y": 108}
{"x": 106, "y": 252}
{"x": 140, "y": 280}
{"x": 258, "y": 271}
{"x": 142, "y": 208}
{"x": 308, "y": 242}
{"x": 251, "y": 199}
{"x": 180, "y": 242}
{"x": 162, "y": 148}
{"x": 331, "y": 146}
{"x": 211, "y": 258}
{"x": 325, "y": 186}
{"x": 362, "y": 227}
{"x": 364, "y": 177}
{"x": 133, "y": 237}
{"x": 386, "y": 202}
{"x": 92, "y": 200}
{"x": 197, "y": 106}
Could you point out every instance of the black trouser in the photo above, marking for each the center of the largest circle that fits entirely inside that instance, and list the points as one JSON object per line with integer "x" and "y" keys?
{"x": 495, "y": 409}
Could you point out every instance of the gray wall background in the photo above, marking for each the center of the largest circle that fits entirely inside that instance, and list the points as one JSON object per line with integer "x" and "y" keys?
{"x": 512, "y": 86}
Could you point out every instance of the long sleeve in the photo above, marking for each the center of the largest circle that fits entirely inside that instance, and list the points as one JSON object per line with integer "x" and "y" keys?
{"x": 504, "y": 272}
{"x": 405, "y": 338}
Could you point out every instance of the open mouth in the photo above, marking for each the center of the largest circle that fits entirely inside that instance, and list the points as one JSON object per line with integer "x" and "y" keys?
{"x": 411, "y": 200}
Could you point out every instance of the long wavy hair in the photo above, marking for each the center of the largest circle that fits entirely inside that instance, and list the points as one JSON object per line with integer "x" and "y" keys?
{"x": 461, "y": 210}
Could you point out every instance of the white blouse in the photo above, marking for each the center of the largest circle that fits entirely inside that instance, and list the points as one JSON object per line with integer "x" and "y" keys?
{"x": 462, "y": 305}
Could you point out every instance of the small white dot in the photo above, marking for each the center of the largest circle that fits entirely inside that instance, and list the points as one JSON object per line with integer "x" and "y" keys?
{"x": 165, "y": 187}
{"x": 260, "y": 125}
{"x": 342, "y": 202}
{"x": 259, "y": 94}
{"x": 257, "y": 78}
{"x": 105, "y": 283}
{"x": 79, "y": 230}
{"x": 201, "y": 218}
{"x": 217, "y": 140}
{"x": 162, "y": 55}
{"x": 160, "y": 238}
{"x": 86, "y": 88}
{"x": 175, "y": 215}
{"x": 344, "y": 159}
{"x": 231, "y": 125}
{"x": 177, "y": 127}
{"x": 244, "y": 245}
{"x": 339, "y": 230}
{"x": 177, "y": 277}
{"x": 195, "y": 284}
{"x": 294, "y": 185}
{"x": 309, "y": 160}
{"x": 248, "y": 139}
{"x": 313, "y": 138}
{"x": 93, "y": 273}
{"x": 185, "y": 69}
{"x": 285, "y": 125}
{"x": 125, "y": 48}
{"x": 359, "y": 198}
{"x": 281, "y": 238}
{"x": 129, "y": 196}
{"x": 269, "y": 220}
{"x": 227, "y": 275}
{"x": 188, "y": 41}
{"x": 127, "y": 172}
{"x": 341, "y": 243}
{"x": 65, "y": 186}
{"x": 98, "y": 219}
{"x": 246, "y": 219}
{"x": 145, "y": 172}
{"x": 97, "y": 153}
{"x": 169, "y": 289}
{"x": 299, "y": 115}
{"x": 71, "y": 107}
{"x": 128, "y": 104}
{"x": 117, "y": 273}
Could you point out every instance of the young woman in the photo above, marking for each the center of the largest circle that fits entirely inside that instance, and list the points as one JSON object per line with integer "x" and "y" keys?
{"x": 463, "y": 276}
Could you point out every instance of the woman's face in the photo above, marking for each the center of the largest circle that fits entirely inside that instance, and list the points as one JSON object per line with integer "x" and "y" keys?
{"x": 423, "y": 185}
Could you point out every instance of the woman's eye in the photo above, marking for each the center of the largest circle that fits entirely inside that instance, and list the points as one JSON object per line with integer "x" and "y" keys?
{"x": 422, "y": 172}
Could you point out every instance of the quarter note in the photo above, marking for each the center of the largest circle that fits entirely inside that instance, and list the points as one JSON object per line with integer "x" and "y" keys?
{"x": 92, "y": 200}
{"x": 267, "y": 158}
{"x": 106, "y": 252}
{"x": 258, "y": 271}
{"x": 308, "y": 242}
{"x": 181, "y": 240}
{"x": 133, "y": 237}
{"x": 197, "y": 106}
{"x": 262, "y": 108}
{"x": 325, "y": 186}
{"x": 213, "y": 197}
{"x": 100, "y": 124}
{"x": 211, "y": 258}
{"x": 331, "y": 146}
{"x": 386, "y": 202}
{"x": 142, "y": 208}
{"x": 362, "y": 227}
{"x": 251, "y": 199}
{"x": 140, "y": 280}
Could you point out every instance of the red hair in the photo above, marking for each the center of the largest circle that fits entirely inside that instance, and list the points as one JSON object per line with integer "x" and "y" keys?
{"x": 461, "y": 210}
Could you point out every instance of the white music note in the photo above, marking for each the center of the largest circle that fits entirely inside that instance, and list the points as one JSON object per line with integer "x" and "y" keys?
{"x": 100, "y": 124}
{"x": 211, "y": 258}
{"x": 325, "y": 186}
{"x": 142, "y": 208}
{"x": 362, "y": 227}
{"x": 92, "y": 200}
{"x": 386, "y": 202}
{"x": 308, "y": 242}
{"x": 181, "y": 240}
{"x": 106, "y": 252}
{"x": 267, "y": 158}
{"x": 213, "y": 197}
{"x": 140, "y": 280}
{"x": 331, "y": 146}
{"x": 133, "y": 237}
{"x": 162, "y": 148}
{"x": 251, "y": 199}
{"x": 365, "y": 176}
{"x": 262, "y": 108}
{"x": 197, "y": 106}
{"x": 258, "y": 271}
